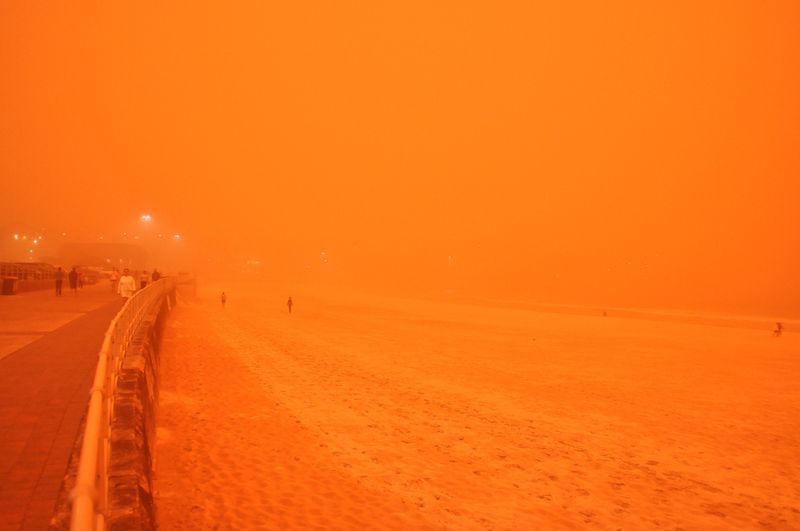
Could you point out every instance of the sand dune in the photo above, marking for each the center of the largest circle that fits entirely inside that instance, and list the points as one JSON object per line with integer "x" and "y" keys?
{"x": 369, "y": 413}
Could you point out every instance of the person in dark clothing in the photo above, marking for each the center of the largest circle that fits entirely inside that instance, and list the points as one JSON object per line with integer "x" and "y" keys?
{"x": 778, "y": 330}
{"x": 223, "y": 298}
{"x": 73, "y": 280}
{"x": 59, "y": 281}
{"x": 156, "y": 275}
{"x": 289, "y": 304}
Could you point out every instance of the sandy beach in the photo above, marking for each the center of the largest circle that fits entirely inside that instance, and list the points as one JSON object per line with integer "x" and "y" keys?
{"x": 363, "y": 412}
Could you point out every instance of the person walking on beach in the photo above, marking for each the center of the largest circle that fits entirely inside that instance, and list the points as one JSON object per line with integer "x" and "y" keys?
{"x": 289, "y": 304}
{"x": 778, "y": 330}
{"x": 127, "y": 284}
{"x": 73, "y": 280}
{"x": 59, "y": 281}
{"x": 223, "y": 298}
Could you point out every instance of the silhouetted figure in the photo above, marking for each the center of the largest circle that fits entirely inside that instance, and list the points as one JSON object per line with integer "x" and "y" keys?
{"x": 143, "y": 279}
{"x": 289, "y": 304}
{"x": 114, "y": 278}
{"x": 778, "y": 330}
{"x": 59, "y": 281}
{"x": 73, "y": 280}
{"x": 156, "y": 275}
{"x": 223, "y": 298}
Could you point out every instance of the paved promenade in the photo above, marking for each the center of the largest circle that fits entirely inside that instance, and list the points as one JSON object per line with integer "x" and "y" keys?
{"x": 48, "y": 354}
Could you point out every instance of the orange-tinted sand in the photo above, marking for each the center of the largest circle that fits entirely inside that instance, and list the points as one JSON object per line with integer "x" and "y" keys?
{"x": 374, "y": 413}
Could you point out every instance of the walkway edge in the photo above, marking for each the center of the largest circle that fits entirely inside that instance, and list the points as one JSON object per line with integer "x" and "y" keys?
{"x": 133, "y": 435}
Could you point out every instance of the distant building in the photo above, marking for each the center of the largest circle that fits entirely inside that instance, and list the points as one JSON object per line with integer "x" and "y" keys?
{"x": 104, "y": 255}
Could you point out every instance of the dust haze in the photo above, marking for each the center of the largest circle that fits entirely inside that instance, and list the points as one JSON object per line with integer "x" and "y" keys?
{"x": 610, "y": 154}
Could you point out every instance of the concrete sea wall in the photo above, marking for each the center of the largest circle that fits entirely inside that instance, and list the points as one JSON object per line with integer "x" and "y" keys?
{"x": 133, "y": 431}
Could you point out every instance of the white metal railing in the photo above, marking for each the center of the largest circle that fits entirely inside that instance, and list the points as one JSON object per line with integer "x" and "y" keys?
{"x": 90, "y": 495}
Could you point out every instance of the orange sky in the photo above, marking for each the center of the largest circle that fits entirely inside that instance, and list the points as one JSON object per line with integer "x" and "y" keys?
{"x": 612, "y": 152}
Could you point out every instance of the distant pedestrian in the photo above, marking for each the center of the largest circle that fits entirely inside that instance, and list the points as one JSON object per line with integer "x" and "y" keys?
{"x": 59, "y": 281}
{"x": 127, "y": 284}
{"x": 223, "y": 298}
{"x": 114, "y": 279}
{"x": 778, "y": 330}
{"x": 143, "y": 279}
{"x": 73, "y": 280}
{"x": 81, "y": 278}
{"x": 156, "y": 275}
{"x": 289, "y": 304}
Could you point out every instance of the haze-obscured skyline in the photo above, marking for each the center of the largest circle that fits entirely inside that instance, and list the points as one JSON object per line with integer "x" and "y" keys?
{"x": 617, "y": 152}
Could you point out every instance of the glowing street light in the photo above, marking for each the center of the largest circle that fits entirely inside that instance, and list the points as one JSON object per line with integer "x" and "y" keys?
{"x": 16, "y": 236}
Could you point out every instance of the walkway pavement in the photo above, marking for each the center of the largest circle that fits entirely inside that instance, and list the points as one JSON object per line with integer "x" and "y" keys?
{"x": 48, "y": 354}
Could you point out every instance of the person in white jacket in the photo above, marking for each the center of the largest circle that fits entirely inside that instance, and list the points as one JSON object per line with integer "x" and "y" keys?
{"x": 127, "y": 284}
